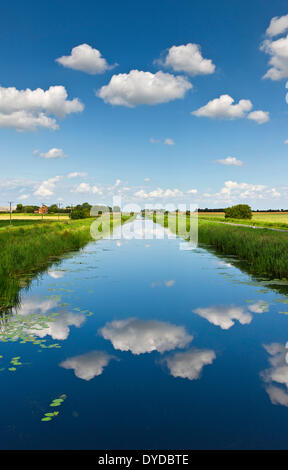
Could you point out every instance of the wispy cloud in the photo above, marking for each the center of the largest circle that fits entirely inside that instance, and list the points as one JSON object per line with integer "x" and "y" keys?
{"x": 230, "y": 161}
{"x": 52, "y": 153}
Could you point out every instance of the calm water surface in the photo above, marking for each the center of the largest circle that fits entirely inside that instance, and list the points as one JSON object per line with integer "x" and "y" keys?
{"x": 149, "y": 346}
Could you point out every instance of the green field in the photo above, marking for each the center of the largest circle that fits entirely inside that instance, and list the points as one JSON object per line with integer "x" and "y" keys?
{"x": 4, "y": 224}
{"x": 259, "y": 219}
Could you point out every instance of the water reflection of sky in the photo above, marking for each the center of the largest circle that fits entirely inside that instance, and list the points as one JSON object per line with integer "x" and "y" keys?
{"x": 157, "y": 348}
{"x": 140, "y": 336}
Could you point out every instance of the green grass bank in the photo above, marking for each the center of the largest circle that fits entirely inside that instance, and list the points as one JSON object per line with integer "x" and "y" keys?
{"x": 265, "y": 251}
{"x": 29, "y": 248}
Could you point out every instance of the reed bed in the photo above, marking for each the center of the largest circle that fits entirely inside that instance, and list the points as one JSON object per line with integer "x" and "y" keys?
{"x": 265, "y": 251}
{"x": 27, "y": 249}
{"x": 29, "y": 246}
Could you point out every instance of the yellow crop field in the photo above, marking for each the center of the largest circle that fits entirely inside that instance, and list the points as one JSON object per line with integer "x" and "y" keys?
{"x": 33, "y": 217}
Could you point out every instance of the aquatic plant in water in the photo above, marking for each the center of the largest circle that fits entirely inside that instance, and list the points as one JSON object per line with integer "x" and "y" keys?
{"x": 15, "y": 327}
{"x": 55, "y": 403}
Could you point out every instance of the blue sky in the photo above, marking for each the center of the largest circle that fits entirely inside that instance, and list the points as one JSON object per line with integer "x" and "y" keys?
{"x": 136, "y": 137}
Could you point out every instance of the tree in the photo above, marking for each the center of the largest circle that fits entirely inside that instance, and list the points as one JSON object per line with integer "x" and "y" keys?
{"x": 53, "y": 208}
{"x": 240, "y": 211}
{"x": 81, "y": 211}
{"x": 86, "y": 205}
{"x": 80, "y": 214}
{"x": 30, "y": 209}
{"x": 19, "y": 208}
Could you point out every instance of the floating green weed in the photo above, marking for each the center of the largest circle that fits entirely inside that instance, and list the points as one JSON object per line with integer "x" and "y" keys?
{"x": 55, "y": 403}
{"x": 20, "y": 328}
{"x": 14, "y": 361}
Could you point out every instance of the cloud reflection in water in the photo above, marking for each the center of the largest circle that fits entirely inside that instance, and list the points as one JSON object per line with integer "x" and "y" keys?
{"x": 144, "y": 336}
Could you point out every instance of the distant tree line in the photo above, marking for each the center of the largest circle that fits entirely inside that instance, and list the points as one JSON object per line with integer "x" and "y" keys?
{"x": 79, "y": 211}
{"x": 222, "y": 209}
{"x": 82, "y": 211}
{"x": 54, "y": 208}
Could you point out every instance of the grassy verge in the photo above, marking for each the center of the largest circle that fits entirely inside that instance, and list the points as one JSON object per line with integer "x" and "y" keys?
{"x": 26, "y": 247}
{"x": 265, "y": 251}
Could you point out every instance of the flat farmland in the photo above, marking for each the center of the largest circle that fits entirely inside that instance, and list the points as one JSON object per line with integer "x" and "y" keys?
{"x": 263, "y": 219}
{"x": 5, "y": 216}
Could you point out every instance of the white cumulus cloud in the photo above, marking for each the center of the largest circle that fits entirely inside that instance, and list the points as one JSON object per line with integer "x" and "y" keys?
{"x": 259, "y": 116}
{"x": 188, "y": 58}
{"x": 278, "y": 25}
{"x": 87, "y": 188}
{"x": 138, "y": 87}
{"x": 46, "y": 188}
{"x": 224, "y": 108}
{"x": 30, "y": 109}
{"x": 85, "y": 58}
{"x": 232, "y": 190}
{"x": 277, "y": 49}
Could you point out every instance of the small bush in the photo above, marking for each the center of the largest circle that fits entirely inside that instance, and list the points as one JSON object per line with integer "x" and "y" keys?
{"x": 80, "y": 214}
{"x": 240, "y": 211}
